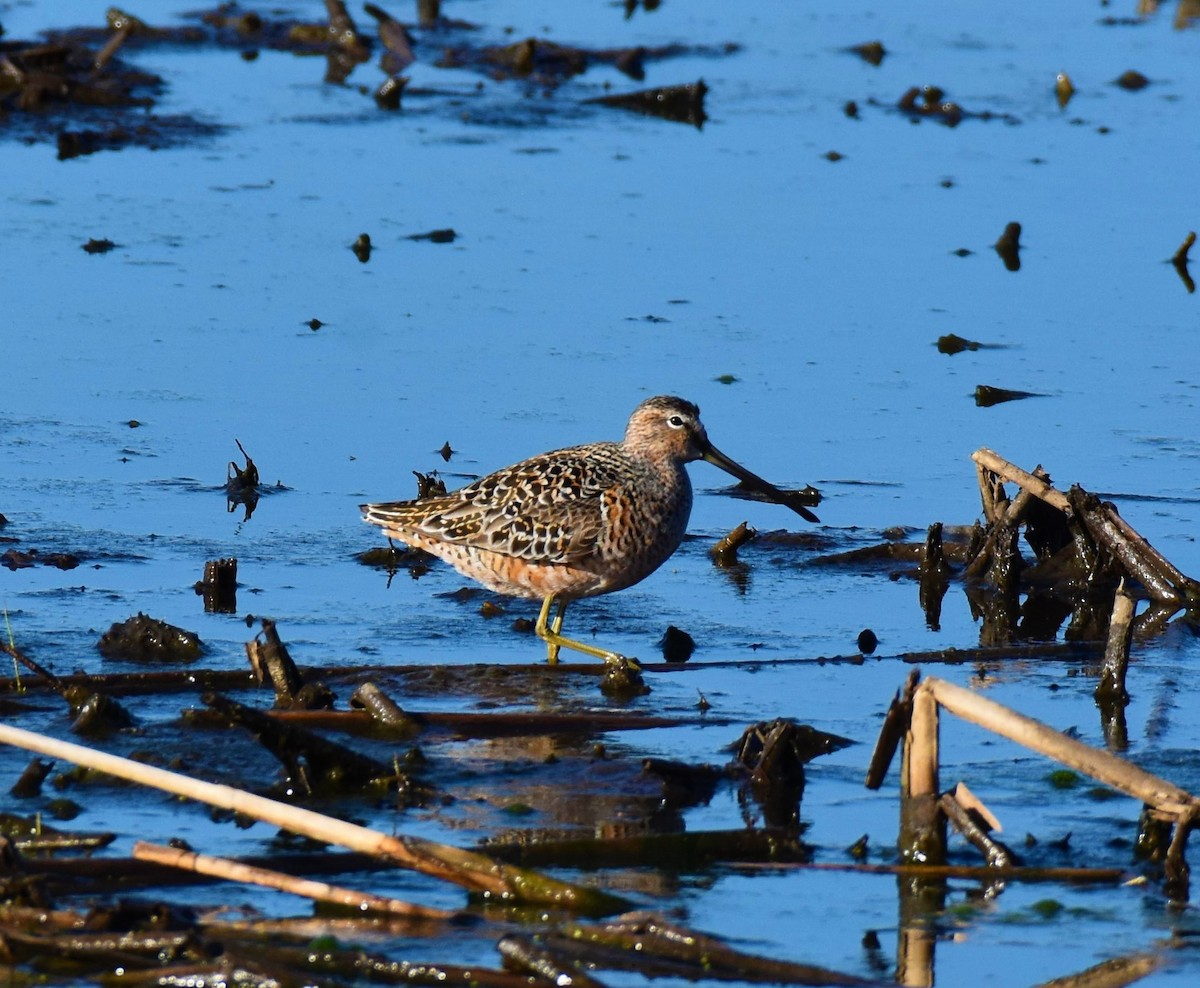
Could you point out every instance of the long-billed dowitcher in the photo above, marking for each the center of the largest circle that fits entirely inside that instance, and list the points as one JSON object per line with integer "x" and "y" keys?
{"x": 575, "y": 522}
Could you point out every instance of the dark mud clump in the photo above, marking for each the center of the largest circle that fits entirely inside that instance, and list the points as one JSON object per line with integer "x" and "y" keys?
{"x": 146, "y": 639}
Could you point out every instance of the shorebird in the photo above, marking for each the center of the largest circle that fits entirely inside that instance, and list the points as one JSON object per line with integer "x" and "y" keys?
{"x": 575, "y": 522}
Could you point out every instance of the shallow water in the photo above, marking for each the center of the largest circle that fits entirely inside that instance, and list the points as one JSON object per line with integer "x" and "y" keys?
{"x": 604, "y": 257}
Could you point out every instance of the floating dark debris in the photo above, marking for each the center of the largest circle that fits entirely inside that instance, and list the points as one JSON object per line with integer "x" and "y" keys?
{"x": 952, "y": 344}
{"x": 75, "y": 90}
{"x": 871, "y": 52}
{"x": 94, "y": 246}
{"x": 927, "y": 102}
{"x": 684, "y": 104}
{"x": 387, "y": 96}
{"x": 867, "y": 641}
{"x": 1131, "y": 80}
{"x": 15, "y": 559}
{"x": 444, "y": 236}
{"x": 1064, "y": 89}
{"x": 986, "y": 395}
{"x": 397, "y": 42}
{"x": 1009, "y": 246}
{"x": 362, "y": 247}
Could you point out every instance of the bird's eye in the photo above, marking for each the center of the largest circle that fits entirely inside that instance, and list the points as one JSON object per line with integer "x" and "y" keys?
{"x": 675, "y": 421}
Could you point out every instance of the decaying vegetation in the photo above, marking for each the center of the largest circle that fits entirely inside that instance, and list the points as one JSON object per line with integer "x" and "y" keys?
{"x": 80, "y": 87}
{"x": 1089, "y": 566}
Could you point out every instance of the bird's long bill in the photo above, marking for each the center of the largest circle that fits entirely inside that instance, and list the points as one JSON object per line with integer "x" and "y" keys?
{"x": 789, "y": 499}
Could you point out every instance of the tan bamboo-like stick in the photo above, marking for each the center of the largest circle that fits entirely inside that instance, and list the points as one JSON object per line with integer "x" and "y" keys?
{"x": 987, "y": 492}
{"x": 235, "y": 871}
{"x": 468, "y": 869}
{"x": 1164, "y": 796}
{"x": 922, "y": 745}
{"x": 1027, "y": 481}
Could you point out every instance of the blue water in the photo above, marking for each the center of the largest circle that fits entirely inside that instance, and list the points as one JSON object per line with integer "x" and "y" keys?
{"x": 603, "y": 257}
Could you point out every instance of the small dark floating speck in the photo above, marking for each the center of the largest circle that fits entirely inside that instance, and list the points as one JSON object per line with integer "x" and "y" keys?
{"x": 867, "y": 641}
{"x": 850, "y": 109}
{"x": 952, "y": 343}
{"x": 362, "y": 247}
{"x": 1132, "y": 80}
{"x": 871, "y": 52}
{"x": 314, "y": 324}
{"x": 962, "y": 252}
{"x": 102, "y": 246}
{"x": 443, "y": 236}
{"x": 833, "y": 156}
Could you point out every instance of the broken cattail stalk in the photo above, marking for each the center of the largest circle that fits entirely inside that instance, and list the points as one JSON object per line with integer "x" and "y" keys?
{"x": 1111, "y": 688}
{"x": 965, "y": 822}
{"x": 1175, "y": 867}
{"x": 468, "y": 869}
{"x": 1185, "y": 585}
{"x": 895, "y": 726}
{"x": 236, "y": 871}
{"x": 987, "y": 491}
{"x": 1037, "y": 487}
{"x": 219, "y": 586}
{"x": 724, "y": 553}
{"x": 384, "y": 712}
{"x": 922, "y": 834}
{"x": 1099, "y": 519}
{"x": 1168, "y": 799}
{"x": 1012, "y": 516}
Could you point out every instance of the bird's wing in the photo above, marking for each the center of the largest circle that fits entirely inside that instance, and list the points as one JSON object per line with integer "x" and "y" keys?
{"x": 550, "y": 508}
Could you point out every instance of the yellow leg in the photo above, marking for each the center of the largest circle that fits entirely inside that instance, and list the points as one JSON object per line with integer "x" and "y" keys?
{"x": 551, "y": 633}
